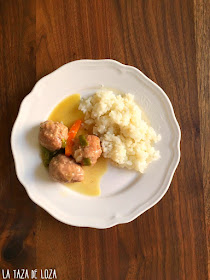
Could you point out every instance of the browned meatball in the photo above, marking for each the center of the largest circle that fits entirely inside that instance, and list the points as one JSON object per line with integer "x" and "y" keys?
{"x": 51, "y": 135}
{"x": 64, "y": 170}
{"x": 91, "y": 152}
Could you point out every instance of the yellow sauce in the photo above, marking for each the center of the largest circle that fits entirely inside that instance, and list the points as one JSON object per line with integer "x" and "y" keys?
{"x": 67, "y": 112}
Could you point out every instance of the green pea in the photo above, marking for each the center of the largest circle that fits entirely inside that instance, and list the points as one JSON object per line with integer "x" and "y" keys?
{"x": 86, "y": 161}
{"x": 46, "y": 156}
{"x": 63, "y": 143}
{"x": 83, "y": 141}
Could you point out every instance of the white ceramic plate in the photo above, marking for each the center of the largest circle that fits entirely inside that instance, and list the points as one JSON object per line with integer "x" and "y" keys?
{"x": 125, "y": 194}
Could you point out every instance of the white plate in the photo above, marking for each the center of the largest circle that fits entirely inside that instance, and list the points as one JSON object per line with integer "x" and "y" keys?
{"x": 125, "y": 194}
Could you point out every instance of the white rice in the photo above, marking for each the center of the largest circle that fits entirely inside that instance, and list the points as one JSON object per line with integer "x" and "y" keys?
{"x": 126, "y": 138}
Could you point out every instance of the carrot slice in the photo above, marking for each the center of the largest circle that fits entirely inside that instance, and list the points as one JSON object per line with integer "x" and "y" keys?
{"x": 71, "y": 135}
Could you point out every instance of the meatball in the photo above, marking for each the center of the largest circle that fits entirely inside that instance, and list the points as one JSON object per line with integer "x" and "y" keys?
{"x": 64, "y": 170}
{"x": 89, "y": 154}
{"x": 52, "y": 134}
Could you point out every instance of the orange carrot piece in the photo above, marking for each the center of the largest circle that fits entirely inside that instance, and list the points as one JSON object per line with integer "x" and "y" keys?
{"x": 71, "y": 135}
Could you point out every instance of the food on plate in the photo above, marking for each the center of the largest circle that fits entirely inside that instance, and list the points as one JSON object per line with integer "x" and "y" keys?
{"x": 64, "y": 170}
{"x": 79, "y": 135}
{"x": 87, "y": 149}
{"x": 84, "y": 150}
{"x": 52, "y": 135}
{"x": 48, "y": 155}
{"x": 117, "y": 120}
{"x": 62, "y": 164}
{"x": 71, "y": 136}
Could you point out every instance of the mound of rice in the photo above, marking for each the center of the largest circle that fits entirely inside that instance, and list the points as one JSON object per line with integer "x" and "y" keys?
{"x": 126, "y": 138}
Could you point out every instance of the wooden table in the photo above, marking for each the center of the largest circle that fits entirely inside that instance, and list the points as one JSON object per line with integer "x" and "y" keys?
{"x": 168, "y": 41}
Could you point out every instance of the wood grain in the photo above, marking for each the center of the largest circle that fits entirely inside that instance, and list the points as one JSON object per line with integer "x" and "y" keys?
{"x": 202, "y": 32}
{"x": 165, "y": 39}
{"x": 17, "y": 77}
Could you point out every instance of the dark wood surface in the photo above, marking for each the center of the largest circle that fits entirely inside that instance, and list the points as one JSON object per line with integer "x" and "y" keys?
{"x": 169, "y": 42}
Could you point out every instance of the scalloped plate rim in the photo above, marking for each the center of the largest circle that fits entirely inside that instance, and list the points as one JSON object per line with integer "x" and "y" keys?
{"x": 116, "y": 220}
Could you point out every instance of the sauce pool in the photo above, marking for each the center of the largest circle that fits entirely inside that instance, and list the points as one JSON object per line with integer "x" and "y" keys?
{"x": 67, "y": 112}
